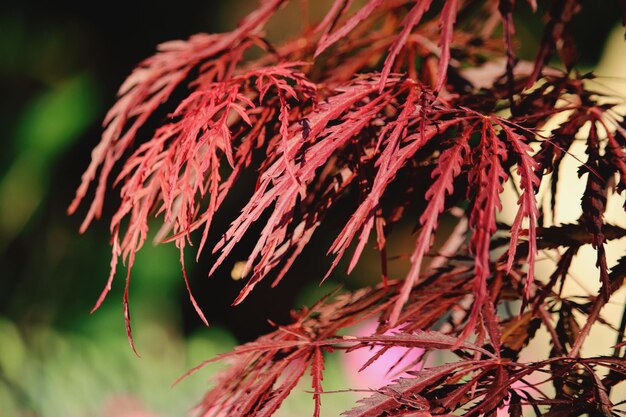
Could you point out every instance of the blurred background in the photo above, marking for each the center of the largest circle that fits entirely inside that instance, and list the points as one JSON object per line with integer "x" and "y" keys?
{"x": 60, "y": 66}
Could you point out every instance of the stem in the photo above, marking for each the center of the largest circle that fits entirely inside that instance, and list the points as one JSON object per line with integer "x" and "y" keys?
{"x": 598, "y": 303}
{"x": 620, "y": 333}
{"x": 613, "y": 376}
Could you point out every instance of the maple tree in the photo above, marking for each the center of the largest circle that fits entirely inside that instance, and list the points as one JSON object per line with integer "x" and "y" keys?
{"x": 415, "y": 109}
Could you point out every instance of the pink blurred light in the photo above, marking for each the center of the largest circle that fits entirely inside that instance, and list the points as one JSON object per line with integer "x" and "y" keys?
{"x": 377, "y": 374}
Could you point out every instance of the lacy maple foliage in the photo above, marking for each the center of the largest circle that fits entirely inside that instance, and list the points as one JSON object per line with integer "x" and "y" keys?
{"x": 384, "y": 100}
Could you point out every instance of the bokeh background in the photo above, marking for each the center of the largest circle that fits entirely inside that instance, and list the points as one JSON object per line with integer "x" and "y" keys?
{"x": 60, "y": 66}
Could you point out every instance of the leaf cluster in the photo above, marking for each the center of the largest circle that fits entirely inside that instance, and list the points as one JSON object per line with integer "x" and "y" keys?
{"x": 408, "y": 110}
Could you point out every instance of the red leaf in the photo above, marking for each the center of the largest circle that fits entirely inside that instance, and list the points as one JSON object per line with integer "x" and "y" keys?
{"x": 129, "y": 331}
{"x": 337, "y": 10}
{"x": 277, "y": 187}
{"x": 327, "y": 40}
{"x": 486, "y": 179}
{"x": 317, "y": 369}
{"x": 411, "y": 20}
{"x": 420, "y": 339}
{"x": 364, "y": 216}
{"x": 493, "y": 327}
{"x": 406, "y": 390}
{"x": 147, "y": 88}
{"x": 448, "y": 167}
{"x": 529, "y": 183}
{"x": 447, "y": 19}
{"x": 561, "y": 13}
